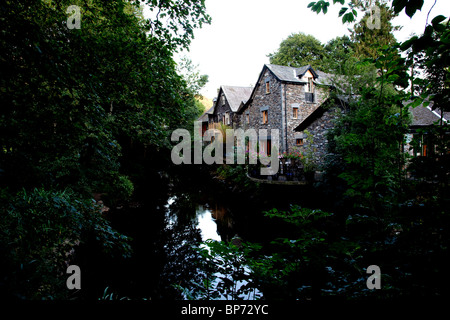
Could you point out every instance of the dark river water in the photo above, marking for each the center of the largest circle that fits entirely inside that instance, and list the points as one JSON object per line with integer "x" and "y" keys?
{"x": 169, "y": 221}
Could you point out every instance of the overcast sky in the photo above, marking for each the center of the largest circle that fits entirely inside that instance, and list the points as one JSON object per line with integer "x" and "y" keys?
{"x": 234, "y": 48}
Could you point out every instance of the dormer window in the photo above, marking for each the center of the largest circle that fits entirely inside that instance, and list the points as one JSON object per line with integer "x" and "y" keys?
{"x": 309, "y": 90}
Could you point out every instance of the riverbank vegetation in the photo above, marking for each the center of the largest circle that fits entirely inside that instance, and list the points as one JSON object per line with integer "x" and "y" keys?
{"x": 374, "y": 206}
{"x": 86, "y": 172}
{"x": 86, "y": 97}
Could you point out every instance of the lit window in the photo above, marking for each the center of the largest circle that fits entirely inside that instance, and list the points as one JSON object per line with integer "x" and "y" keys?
{"x": 264, "y": 117}
{"x": 295, "y": 113}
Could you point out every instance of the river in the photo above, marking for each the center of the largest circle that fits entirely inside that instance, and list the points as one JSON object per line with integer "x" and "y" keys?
{"x": 169, "y": 222}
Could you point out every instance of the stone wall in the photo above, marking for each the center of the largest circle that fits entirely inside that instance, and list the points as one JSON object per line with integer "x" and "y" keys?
{"x": 221, "y": 109}
{"x": 295, "y": 98}
{"x": 279, "y": 103}
{"x": 318, "y": 129}
{"x": 265, "y": 101}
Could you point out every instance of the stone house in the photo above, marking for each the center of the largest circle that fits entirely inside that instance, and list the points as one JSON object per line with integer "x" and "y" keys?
{"x": 227, "y": 103}
{"x": 225, "y": 106}
{"x": 323, "y": 118}
{"x": 206, "y": 118}
{"x": 282, "y": 99}
{"x": 313, "y": 129}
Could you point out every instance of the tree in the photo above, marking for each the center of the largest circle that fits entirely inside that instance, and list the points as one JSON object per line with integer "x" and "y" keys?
{"x": 76, "y": 101}
{"x": 367, "y": 37}
{"x": 338, "y": 52}
{"x": 368, "y": 137}
{"x": 299, "y": 50}
{"x": 195, "y": 81}
{"x": 349, "y": 13}
{"x": 429, "y": 53}
{"x": 72, "y": 106}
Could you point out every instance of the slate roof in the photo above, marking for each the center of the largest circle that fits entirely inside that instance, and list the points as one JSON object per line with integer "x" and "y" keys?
{"x": 425, "y": 116}
{"x": 204, "y": 116}
{"x": 236, "y": 95}
{"x": 421, "y": 116}
{"x": 210, "y": 110}
{"x": 291, "y": 74}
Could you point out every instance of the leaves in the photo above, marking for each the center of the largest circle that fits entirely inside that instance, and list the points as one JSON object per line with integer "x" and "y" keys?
{"x": 299, "y": 50}
{"x": 43, "y": 228}
{"x": 73, "y": 107}
{"x": 319, "y": 6}
{"x": 410, "y": 6}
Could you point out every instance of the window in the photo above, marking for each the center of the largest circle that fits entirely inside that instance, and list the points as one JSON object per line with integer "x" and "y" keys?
{"x": 310, "y": 85}
{"x": 227, "y": 118}
{"x": 299, "y": 142}
{"x": 267, "y": 87}
{"x": 266, "y": 147}
{"x": 309, "y": 91}
{"x": 295, "y": 113}
{"x": 247, "y": 118}
{"x": 309, "y": 97}
{"x": 264, "y": 117}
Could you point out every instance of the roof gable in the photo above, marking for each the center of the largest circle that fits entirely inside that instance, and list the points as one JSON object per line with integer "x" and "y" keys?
{"x": 236, "y": 95}
{"x": 288, "y": 74}
{"x": 294, "y": 75}
{"x": 425, "y": 116}
{"x": 318, "y": 113}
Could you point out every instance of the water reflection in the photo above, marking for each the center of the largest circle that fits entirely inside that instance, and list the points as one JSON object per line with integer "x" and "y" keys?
{"x": 207, "y": 224}
{"x": 213, "y": 221}
{"x": 164, "y": 233}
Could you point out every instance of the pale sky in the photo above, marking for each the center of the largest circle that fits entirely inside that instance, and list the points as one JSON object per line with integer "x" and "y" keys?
{"x": 234, "y": 47}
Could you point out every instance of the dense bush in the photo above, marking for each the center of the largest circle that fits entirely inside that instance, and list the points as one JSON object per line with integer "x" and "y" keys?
{"x": 40, "y": 231}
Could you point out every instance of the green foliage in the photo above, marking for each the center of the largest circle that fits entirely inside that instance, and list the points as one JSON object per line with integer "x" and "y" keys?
{"x": 111, "y": 296}
{"x": 429, "y": 54}
{"x": 41, "y": 231}
{"x": 194, "y": 80}
{"x": 299, "y": 50}
{"x": 369, "y": 136}
{"x": 225, "y": 274}
{"x": 338, "y": 52}
{"x": 410, "y": 6}
{"x": 73, "y": 106}
{"x": 237, "y": 175}
{"x": 300, "y": 217}
{"x": 368, "y": 40}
